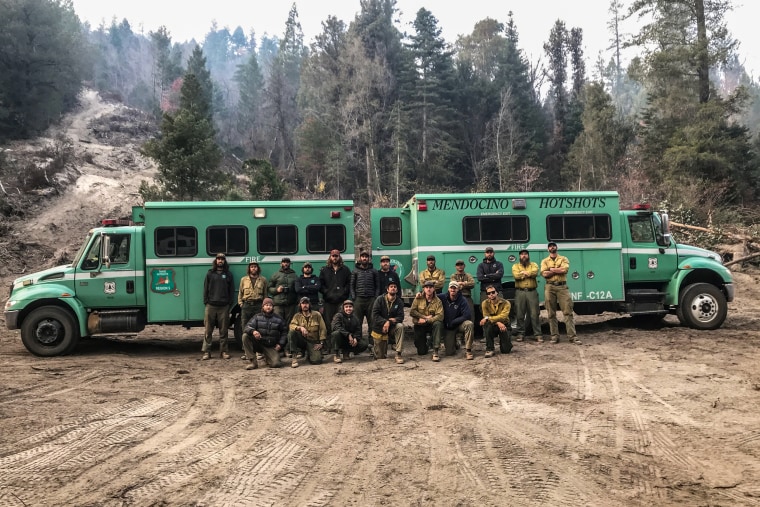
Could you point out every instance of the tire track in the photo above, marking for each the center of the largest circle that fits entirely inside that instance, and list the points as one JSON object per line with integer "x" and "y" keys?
{"x": 68, "y": 445}
{"x": 191, "y": 463}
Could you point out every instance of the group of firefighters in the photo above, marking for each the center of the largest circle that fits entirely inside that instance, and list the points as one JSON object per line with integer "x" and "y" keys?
{"x": 309, "y": 316}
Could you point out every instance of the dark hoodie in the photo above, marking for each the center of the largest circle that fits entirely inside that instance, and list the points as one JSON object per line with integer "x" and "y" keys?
{"x": 218, "y": 289}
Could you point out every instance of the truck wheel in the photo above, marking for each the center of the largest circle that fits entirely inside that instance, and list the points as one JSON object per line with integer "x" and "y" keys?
{"x": 49, "y": 331}
{"x": 702, "y": 306}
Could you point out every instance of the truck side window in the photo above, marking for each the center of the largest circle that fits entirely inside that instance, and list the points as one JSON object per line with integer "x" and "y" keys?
{"x": 176, "y": 241}
{"x": 92, "y": 257}
{"x": 641, "y": 229}
{"x": 390, "y": 231}
{"x": 119, "y": 253}
{"x": 323, "y": 238}
{"x": 230, "y": 239}
{"x": 579, "y": 227}
{"x": 495, "y": 229}
{"x": 277, "y": 239}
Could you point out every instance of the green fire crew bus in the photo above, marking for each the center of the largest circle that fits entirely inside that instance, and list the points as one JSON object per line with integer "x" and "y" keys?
{"x": 621, "y": 260}
{"x": 150, "y": 270}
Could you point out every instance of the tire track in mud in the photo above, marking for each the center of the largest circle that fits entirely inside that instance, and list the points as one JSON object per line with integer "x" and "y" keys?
{"x": 509, "y": 468}
{"x": 283, "y": 467}
{"x": 78, "y": 377}
{"x": 66, "y": 447}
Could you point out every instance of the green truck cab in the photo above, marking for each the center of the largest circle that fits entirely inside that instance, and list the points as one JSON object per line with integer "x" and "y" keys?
{"x": 150, "y": 270}
{"x": 623, "y": 261}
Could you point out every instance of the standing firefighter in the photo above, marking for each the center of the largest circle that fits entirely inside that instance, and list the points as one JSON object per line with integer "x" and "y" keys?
{"x": 554, "y": 268}
{"x": 218, "y": 293}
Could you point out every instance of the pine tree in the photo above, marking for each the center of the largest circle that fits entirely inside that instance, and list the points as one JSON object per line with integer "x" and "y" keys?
{"x": 186, "y": 153}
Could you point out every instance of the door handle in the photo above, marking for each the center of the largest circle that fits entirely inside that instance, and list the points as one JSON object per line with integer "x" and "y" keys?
{"x": 632, "y": 262}
{"x": 130, "y": 287}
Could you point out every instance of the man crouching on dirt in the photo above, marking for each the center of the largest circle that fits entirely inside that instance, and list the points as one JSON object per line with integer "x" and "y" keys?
{"x": 346, "y": 333}
{"x": 387, "y": 321}
{"x": 307, "y": 331}
{"x": 495, "y": 321}
{"x": 266, "y": 334}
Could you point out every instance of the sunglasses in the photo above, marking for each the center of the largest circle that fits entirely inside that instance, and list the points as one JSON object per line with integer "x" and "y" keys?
{"x": 491, "y": 292}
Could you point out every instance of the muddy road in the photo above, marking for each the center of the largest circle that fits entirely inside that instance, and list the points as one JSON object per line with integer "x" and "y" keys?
{"x": 658, "y": 416}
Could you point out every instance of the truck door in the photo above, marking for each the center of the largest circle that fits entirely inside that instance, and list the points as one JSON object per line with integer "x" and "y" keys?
{"x": 646, "y": 260}
{"x": 391, "y": 236}
{"x": 108, "y": 282}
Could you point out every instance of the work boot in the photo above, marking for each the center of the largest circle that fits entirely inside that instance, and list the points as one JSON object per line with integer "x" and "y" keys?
{"x": 518, "y": 338}
{"x": 206, "y": 356}
{"x": 539, "y": 339}
{"x": 576, "y": 341}
{"x": 435, "y": 356}
{"x": 254, "y": 364}
{"x": 346, "y": 356}
{"x": 555, "y": 339}
{"x": 294, "y": 364}
{"x": 399, "y": 359}
{"x": 337, "y": 358}
{"x": 468, "y": 355}
{"x": 489, "y": 353}
{"x": 225, "y": 355}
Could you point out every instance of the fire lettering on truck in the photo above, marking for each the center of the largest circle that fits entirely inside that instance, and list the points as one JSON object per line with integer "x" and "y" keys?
{"x": 572, "y": 202}
{"x": 470, "y": 204}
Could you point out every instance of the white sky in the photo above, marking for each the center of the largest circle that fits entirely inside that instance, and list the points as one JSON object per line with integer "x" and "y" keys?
{"x": 186, "y": 20}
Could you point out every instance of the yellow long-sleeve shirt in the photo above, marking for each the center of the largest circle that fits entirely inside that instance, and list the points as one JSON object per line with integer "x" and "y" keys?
{"x": 525, "y": 276}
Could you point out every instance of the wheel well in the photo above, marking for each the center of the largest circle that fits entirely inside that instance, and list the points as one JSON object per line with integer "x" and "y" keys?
{"x": 703, "y": 276}
{"x": 45, "y": 302}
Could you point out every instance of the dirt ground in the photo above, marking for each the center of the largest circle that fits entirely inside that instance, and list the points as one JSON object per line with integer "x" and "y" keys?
{"x": 635, "y": 416}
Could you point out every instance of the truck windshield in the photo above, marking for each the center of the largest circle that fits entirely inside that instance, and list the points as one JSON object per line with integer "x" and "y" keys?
{"x": 82, "y": 249}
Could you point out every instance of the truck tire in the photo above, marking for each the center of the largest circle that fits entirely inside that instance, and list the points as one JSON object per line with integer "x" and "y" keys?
{"x": 49, "y": 331}
{"x": 702, "y": 306}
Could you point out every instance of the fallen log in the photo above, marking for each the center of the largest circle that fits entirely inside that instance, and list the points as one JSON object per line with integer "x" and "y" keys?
{"x": 737, "y": 237}
{"x": 736, "y": 261}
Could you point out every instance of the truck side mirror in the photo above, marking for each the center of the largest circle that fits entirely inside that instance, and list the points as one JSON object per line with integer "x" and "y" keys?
{"x": 663, "y": 234}
{"x": 105, "y": 249}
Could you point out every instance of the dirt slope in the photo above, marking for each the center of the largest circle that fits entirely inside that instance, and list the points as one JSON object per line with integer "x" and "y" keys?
{"x": 659, "y": 416}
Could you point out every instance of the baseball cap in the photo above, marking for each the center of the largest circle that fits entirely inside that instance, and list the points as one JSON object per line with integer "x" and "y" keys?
{"x": 551, "y": 243}
{"x": 489, "y": 249}
{"x": 429, "y": 283}
{"x": 431, "y": 257}
{"x": 385, "y": 258}
{"x": 393, "y": 282}
{"x": 453, "y": 284}
{"x": 524, "y": 250}
{"x": 348, "y": 302}
{"x": 267, "y": 301}
{"x": 285, "y": 259}
{"x": 304, "y": 300}
{"x": 458, "y": 262}
{"x": 363, "y": 253}
{"x": 307, "y": 264}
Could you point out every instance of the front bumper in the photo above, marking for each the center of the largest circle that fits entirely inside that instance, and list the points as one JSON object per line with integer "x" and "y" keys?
{"x": 11, "y": 319}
